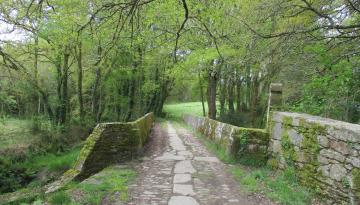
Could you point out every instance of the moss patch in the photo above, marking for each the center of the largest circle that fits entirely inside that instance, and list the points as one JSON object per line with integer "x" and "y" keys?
{"x": 288, "y": 149}
{"x": 310, "y": 173}
{"x": 356, "y": 181}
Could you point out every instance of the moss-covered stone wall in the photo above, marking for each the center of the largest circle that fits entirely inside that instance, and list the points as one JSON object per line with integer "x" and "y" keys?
{"x": 109, "y": 143}
{"x": 325, "y": 153}
{"x": 237, "y": 141}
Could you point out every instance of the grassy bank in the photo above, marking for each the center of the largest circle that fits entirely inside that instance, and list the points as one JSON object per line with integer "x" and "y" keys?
{"x": 33, "y": 152}
{"x": 108, "y": 186}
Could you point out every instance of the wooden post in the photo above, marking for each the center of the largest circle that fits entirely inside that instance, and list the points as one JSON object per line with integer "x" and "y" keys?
{"x": 275, "y": 100}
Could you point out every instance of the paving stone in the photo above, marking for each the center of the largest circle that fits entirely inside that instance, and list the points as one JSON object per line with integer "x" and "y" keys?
{"x": 169, "y": 156}
{"x": 184, "y": 189}
{"x": 207, "y": 159}
{"x": 182, "y": 200}
{"x": 183, "y": 167}
{"x": 184, "y": 172}
{"x": 182, "y": 178}
{"x": 187, "y": 154}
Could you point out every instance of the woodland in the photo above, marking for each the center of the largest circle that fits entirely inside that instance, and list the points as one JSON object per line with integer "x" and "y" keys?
{"x": 67, "y": 65}
{"x": 92, "y": 61}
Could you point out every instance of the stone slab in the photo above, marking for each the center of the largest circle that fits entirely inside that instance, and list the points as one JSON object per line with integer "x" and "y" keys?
{"x": 184, "y": 167}
{"x": 170, "y": 157}
{"x": 182, "y": 200}
{"x": 184, "y": 189}
{"x": 182, "y": 178}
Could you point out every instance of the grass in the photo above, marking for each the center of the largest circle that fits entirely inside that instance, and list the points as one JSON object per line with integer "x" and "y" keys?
{"x": 280, "y": 186}
{"x": 52, "y": 162}
{"x": 60, "y": 198}
{"x": 15, "y": 133}
{"x": 111, "y": 183}
{"x": 175, "y": 111}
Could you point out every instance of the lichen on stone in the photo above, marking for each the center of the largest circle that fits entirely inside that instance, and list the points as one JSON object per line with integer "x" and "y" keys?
{"x": 288, "y": 150}
{"x": 356, "y": 181}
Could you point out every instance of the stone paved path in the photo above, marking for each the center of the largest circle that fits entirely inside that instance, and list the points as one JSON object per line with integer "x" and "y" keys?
{"x": 178, "y": 170}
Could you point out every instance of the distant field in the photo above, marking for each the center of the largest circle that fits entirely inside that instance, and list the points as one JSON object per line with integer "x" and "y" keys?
{"x": 178, "y": 109}
{"x": 15, "y": 133}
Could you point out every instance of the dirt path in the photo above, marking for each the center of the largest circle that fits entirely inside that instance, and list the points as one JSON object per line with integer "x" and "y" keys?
{"x": 178, "y": 170}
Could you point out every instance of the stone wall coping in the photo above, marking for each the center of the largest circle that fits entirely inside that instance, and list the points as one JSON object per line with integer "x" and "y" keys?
{"x": 317, "y": 119}
{"x": 226, "y": 124}
{"x": 125, "y": 123}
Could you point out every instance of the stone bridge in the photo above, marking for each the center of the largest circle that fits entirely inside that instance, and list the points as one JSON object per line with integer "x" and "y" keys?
{"x": 177, "y": 169}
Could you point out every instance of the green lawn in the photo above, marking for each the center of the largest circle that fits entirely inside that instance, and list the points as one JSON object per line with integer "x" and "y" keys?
{"x": 15, "y": 133}
{"x": 175, "y": 111}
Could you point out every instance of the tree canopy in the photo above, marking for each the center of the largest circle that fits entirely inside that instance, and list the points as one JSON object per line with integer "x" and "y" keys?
{"x": 95, "y": 60}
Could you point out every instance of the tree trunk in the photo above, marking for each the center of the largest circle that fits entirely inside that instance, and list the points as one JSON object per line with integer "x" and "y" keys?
{"x": 248, "y": 87}
{"x": 238, "y": 95}
{"x": 131, "y": 91}
{"x": 254, "y": 100}
{"x": 202, "y": 95}
{"x": 65, "y": 99}
{"x": 231, "y": 95}
{"x": 141, "y": 81}
{"x": 80, "y": 81}
{"x": 58, "y": 88}
{"x": 95, "y": 94}
{"x": 36, "y": 77}
{"x": 222, "y": 97}
{"x": 212, "y": 79}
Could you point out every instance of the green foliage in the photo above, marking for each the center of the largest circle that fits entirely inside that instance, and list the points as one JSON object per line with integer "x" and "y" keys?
{"x": 281, "y": 186}
{"x": 12, "y": 177}
{"x": 356, "y": 180}
{"x": 288, "y": 149}
{"x": 328, "y": 93}
{"x": 60, "y": 198}
{"x": 52, "y": 162}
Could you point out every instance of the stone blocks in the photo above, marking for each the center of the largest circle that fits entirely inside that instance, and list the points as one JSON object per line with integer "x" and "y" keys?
{"x": 325, "y": 153}
{"x": 109, "y": 143}
{"x": 237, "y": 141}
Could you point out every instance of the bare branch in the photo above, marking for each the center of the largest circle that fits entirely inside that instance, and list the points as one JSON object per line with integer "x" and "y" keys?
{"x": 186, "y": 10}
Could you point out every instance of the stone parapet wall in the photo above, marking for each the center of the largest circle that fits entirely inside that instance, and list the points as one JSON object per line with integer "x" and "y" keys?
{"x": 237, "y": 141}
{"x": 324, "y": 152}
{"x": 109, "y": 143}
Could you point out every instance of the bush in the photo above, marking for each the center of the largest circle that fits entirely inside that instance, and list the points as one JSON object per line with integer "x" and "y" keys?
{"x": 12, "y": 177}
{"x": 36, "y": 122}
